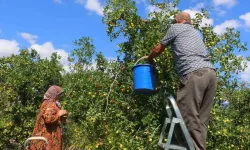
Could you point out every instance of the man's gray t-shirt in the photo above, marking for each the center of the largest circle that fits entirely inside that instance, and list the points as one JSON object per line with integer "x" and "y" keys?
{"x": 189, "y": 51}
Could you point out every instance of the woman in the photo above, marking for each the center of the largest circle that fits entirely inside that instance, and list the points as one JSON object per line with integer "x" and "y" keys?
{"x": 48, "y": 123}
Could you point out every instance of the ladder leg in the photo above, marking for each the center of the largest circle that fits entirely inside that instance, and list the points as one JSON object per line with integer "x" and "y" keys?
{"x": 184, "y": 141}
{"x": 170, "y": 135}
{"x": 166, "y": 122}
{"x": 182, "y": 124}
{"x": 187, "y": 136}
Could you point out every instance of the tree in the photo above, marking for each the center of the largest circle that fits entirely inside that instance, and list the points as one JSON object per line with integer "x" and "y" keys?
{"x": 24, "y": 79}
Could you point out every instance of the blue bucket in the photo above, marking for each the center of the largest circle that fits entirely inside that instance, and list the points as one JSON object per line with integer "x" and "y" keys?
{"x": 144, "y": 78}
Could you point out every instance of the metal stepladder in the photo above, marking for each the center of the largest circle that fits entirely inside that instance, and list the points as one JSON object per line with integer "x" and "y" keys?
{"x": 177, "y": 129}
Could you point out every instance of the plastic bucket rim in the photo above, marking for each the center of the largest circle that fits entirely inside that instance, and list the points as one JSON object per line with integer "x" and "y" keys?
{"x": 138, "y": 65}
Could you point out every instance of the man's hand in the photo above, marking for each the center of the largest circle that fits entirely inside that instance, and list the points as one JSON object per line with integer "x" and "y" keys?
{"x": 155, "y": 52}
{"x": 151, "y": 61}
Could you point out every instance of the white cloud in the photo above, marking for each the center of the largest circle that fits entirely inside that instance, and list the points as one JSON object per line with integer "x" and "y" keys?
{"x": 154, "y": 8}
{"x": 151, "y": 8}
{"x": 221, "y": 12}
{"x": 226, "y": 3}
{"x": 8, "y": 47}
{"x": 245, "y": 76}
{"x": 29, "y": 37}
{"x": 219, "y": 29}
{"x": 205, "y": 21}
{"x": 199, "y": 6}
{"x": 66, "y": 68}
{"x": 92, "y": 5}
{"x": 246, "y": 18}
{"x": 58, "y": 1}
{"x": 45, "y": 50}
{"x": 196, "y": 9}
{"x": 92, "y": 66}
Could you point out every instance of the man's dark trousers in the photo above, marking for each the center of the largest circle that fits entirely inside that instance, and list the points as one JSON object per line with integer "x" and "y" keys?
{"x": 195, "y": 100}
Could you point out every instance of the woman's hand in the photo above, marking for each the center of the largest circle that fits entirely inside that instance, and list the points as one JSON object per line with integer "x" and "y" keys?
{"x": 62, "y": 113}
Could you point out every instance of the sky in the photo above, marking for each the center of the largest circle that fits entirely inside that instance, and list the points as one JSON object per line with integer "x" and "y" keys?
{"x": 52, "y": 25}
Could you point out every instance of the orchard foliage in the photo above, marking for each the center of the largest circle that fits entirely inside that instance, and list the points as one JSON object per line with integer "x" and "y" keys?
{"x": 229, "y": 127}
{"x": 23, "y": 80}
{"x": 105, "y": 113}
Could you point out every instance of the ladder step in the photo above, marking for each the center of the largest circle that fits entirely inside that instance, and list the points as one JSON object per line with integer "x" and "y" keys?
{"x": 162, "y": 145}
{"x": 175, "y": 147}
{"x": 171, "y": 147}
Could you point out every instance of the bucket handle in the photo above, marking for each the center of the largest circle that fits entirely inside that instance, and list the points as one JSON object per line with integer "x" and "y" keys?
{"x": 37, "y": 138}
{"x": 144, "y": 57}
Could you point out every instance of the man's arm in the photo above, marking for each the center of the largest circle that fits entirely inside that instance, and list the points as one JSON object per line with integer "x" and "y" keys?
{"x": 169, "y": 38}
{"x": 156, "y": 52}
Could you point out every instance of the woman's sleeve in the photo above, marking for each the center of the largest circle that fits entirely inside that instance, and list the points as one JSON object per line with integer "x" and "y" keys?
{"x": 50, "y": 115}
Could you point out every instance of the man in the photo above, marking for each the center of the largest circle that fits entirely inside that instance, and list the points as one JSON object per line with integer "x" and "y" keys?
{"x": 196, "y": 73}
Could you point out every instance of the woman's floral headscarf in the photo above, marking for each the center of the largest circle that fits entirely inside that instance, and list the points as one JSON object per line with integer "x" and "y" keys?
{"x": 52, "y": 93}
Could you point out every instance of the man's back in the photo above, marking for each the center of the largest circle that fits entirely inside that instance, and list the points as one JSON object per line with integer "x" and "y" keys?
{"x": 188, "y": 48}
